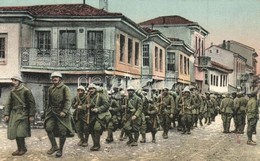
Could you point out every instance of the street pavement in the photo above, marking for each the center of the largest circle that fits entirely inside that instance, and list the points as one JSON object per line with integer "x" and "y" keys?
{"x": 206, "y": 143}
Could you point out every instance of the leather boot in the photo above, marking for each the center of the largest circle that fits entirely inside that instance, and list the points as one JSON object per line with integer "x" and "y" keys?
{"x": 122, "y": 135}
{"x": 136, "y": 136}
{"x": 131, "y": 139}
{"x": 153, "y": 136}
{"x": 109, "y": 138}
{"x": 54, "y": 146}
{"x": 15, "y": 153}
{"x": 62, "y": 142}
{"x": 165, "y": 136}
{"x": 85, "y": 142}
{"x": 80, "y": 135}
{"x": 22, "y": 145}
{"x": 143, "y": 139}
{"x": 96, "y": 141}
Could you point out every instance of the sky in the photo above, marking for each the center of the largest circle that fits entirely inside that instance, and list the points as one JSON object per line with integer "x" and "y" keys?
{"x": 237, "y": 20}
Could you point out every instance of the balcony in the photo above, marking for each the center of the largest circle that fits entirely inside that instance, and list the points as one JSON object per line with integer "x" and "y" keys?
{"x": 67, "y": 59}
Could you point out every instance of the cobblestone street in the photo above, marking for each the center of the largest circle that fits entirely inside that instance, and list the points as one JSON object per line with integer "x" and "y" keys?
{"x": 206, "y": 143}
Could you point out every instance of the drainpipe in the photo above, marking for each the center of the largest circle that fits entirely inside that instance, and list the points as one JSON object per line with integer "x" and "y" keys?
{"x": 165, "y": 64}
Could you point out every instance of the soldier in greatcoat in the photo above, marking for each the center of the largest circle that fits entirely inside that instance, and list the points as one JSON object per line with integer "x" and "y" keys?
{"x": 186, "y": 104}
{"x": 166, "y": 106}
{"x": 115, "y": 110}
{"x": 241, "y": 112}
{"x": 252, "y": 114}
{"x": 226, "y": 111}
{"x": 19, "y": 112}
{"x": 79, "y": 104}
{"x": 98, "y": 114}
{"x": 132, "y": 117}
{"x": 57, "y": 114}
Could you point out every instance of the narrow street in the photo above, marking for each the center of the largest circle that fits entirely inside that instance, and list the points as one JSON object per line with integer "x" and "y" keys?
{"x": 206, "y": 143}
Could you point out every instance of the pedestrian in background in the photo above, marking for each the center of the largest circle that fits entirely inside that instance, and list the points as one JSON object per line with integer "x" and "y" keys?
{"x": 19, "y": 112}
{"x": 57, "y": 115}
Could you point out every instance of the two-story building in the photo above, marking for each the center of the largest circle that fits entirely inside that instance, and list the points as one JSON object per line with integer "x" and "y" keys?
{"x": 190, "y": 32}
{"x": 84, "y": 43}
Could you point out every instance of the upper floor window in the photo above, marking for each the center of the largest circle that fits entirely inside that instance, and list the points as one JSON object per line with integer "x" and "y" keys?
{"x": 130, "y": 51}
{"x": 67, "y": 39}
{"x": 3, "y": 48}
{"x": 217, "y": 51}
{"x": 95, "y": 40}
{"x": 43, "y": 42}
{"x": 181, "y": 64}
{"x": 146, "y": 58}
{"x": 156, "y": 59}
{"x": 161, "y": 60}
{"x": 136, "y": 53}
{"x": 171, "y": 61}
{"x": 206, "y": 78}
{"x": 122, "y": 48}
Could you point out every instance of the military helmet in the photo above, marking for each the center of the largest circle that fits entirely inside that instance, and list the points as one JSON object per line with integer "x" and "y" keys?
{"x": 17, "y": 77}
{"x": 81, "y": 88}
{"x": 130, "y": 88}
{"x": 92, "y": 85}
{"x": 186, "y": 89}
{"x": 56, "y": 74}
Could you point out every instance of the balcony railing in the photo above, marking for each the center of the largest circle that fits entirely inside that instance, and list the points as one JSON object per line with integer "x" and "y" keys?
{"x": 67, "y": 59}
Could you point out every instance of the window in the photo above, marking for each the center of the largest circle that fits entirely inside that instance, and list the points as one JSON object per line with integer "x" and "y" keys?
{"x": 130, "y": 51}
{"x": 211, "y": 79}
{"x": 156, "y": 59}
{"x": 3, "y": 49}
{"x": 122, "y": 48}
{"x": 188, "y": 65}
{"x": 161, "y": 60}
{"x": 216, "y": 80}
{"x": 171, "y": 61}
{"x": 217, "y": 51}
{"x": 43, "y": 42}
{"x": 95, "y": 40}
{"x": 206, "y": 78}
{"x": 136, "y": 53}
{"x": 181, "y": 64}
{"x": 146, "y": 58}
{"x": 221, "y": 79}
{"x": 67, "y": 39}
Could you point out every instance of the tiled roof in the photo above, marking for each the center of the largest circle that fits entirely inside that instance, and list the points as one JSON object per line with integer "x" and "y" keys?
{"x": 167, "y": 20}
{"x": 150, "y": 31}
{"x": 61, "y": 10}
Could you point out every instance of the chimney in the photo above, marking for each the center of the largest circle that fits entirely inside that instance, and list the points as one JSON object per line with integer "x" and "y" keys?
{"x": 103, "y": 4}
{"x": 224, "y": 44}
{"x": 84, "y": 2}
{"x": 228, "y": 45}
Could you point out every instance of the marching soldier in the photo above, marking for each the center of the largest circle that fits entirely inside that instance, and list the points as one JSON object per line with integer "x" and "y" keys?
{"x": 195, "y": 110}
{"x": 252, "y": 114}
{"x": 143, "y": 127}
{"x": 186, "y": 103}
{"x": 97, "y": 114}
{"x": 115, "y": 109}
{"x": 19, "y": 112}
{"x": 226, "y": 110}
{"x": 209, "y": 108}
{"x": 152, "y": 121}
{"x": 132, "y": 116}
{"x": 166, "y": 106}
{"x": 57, "y": 115}
{"x": 235, "y": 110}
{"x": 79, "y": 104}
{"x": 241, "y": 112}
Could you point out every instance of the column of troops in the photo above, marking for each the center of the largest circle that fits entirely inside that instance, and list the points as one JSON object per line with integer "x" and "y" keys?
{"x": 96, "y": 110}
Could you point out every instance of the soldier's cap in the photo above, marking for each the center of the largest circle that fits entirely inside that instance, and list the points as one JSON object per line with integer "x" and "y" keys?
{"x": 166, "y": 89}
{"x": 130, "y": 88}
{"x": 56, "y": 74}
{"x": 92, "y": 85}
{"x": 17, "y": 77}
{"x": 207, "y": 93}
{"x": 81, "y": 88}
{"x": 186, "y": 90}
{"x": 192, "y": 87}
